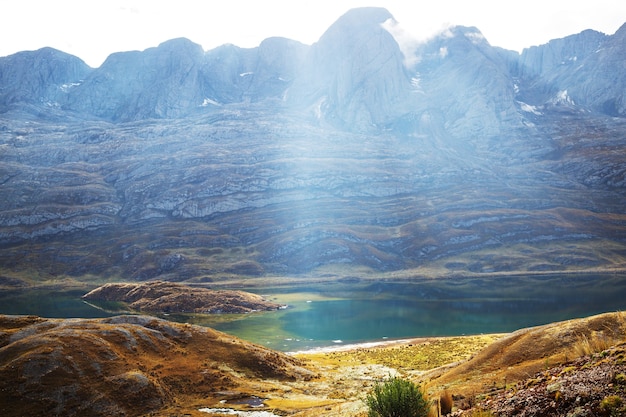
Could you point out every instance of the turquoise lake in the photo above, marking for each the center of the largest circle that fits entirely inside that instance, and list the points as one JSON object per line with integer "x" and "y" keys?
{"x": 333, "y": 315}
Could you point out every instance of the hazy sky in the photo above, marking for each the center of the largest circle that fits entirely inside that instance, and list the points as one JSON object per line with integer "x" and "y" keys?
{"x": 92, "y": 29}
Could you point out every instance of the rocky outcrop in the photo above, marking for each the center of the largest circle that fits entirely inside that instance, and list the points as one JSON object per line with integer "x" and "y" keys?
{"x": 168, "y": 297}
{"x": 599, "y": 82}
{"x": 591, "y": 385}
{"x": 274, "y": 66}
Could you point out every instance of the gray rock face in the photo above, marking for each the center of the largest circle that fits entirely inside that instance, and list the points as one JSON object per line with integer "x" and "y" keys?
{"x": 465, "y": 83}
{"x": 584, "y": 70}
{"x": 159, "y": 82}
{"x": 177, "y": 79}
{"x": 354, "y": 75}
{"x": 353, "y": 152}
{"x": 41, "y": 77}
{"x": 600, "y": 81}
{"x": 559, "y": 55}
{"x": 274, "y": 67}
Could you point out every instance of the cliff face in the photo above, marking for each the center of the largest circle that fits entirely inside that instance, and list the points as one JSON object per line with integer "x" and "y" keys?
{"x": 560, "y": 54}
{"x": 358, "y": 150}
{"x": 584, "y": 70}
{"x": 465, "y": 83}
{"x": 600, "y": 80}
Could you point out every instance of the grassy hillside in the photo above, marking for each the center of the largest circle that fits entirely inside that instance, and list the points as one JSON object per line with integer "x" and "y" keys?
{"x": 138, "y": 365}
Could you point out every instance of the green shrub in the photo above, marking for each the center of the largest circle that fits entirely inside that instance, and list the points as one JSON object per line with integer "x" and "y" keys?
{"x": 611, "y": 406}
{"x": 620, "y": 379}
{"x": 397, "y": 398}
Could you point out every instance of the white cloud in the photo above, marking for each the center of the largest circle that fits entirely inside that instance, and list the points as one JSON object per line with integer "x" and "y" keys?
{"x": 406, "y": 41}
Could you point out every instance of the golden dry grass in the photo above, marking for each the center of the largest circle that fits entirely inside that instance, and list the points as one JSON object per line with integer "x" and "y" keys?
{"x": 195, "y": 367}
{"x": 524, "y": 352}
{"x": 410, "y": 355}
{"x": 131, "y": 365}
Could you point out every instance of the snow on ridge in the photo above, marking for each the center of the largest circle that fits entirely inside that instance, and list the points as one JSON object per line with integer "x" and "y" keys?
{"x": 562, "y": 98}
{"x": 416, "y": 84}
{"x": 208, "y": 101}
{"x": 66, "y": 87}
{"x": 529, "y": 108}
{"x": 475, "y": 37}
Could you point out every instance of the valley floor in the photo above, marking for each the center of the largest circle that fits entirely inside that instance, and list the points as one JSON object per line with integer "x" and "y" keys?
{"x": 176, "y": 369}
{"x": 349, "y": 374}
{"x": 505, "y": 374}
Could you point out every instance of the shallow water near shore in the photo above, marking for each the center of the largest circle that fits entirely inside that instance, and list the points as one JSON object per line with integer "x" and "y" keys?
{"x": 340, "y": 314}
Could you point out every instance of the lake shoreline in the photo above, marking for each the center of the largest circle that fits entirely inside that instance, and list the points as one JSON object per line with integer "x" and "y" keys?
{"x": 385, "y": 344}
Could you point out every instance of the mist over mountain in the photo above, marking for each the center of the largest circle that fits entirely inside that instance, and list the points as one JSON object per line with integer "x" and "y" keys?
{"x": 357, "y": 154}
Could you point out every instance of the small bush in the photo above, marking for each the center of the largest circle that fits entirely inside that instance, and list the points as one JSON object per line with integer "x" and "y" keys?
{"x": 611, "y": 406}
{"x": 620, "y": 379}
{"x": 397, "y": 398}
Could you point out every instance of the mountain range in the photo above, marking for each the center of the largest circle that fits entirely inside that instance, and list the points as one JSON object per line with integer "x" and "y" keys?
{"x": 356, "y": 155}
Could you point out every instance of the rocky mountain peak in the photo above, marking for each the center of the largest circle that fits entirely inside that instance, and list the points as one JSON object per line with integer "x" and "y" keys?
{"x": 469, "y": 33}
{"x": 554, "y": 56}
{"x": 39, "y": 77}
{"x": 620, "y": 33}
{"x": 354, "y": 75}
{"x": 181, "y": 46}
{"x": 157, "y": 82}
{"x": 584, "y": 70}
{"x": 357, "y": 21}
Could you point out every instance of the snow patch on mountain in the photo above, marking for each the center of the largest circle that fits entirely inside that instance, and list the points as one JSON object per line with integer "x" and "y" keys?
{"x": 67, "y": 86}
{"x": 528, "y": 108}
{"x": 208, "y": 101}
{"x": 562, "y": 98}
